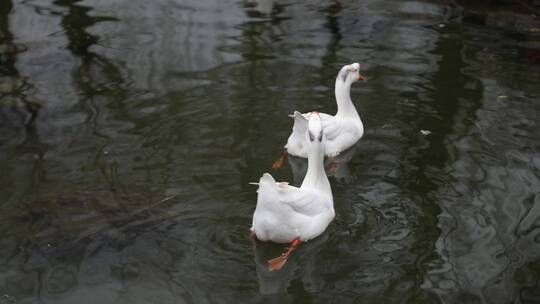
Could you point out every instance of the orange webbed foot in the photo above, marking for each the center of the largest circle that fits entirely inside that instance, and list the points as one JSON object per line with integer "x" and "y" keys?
{"x": 279, "y": 162}
{"x": 277, "y": 263}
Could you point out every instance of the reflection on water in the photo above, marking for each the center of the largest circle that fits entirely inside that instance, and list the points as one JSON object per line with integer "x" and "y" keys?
{"x": 129, "y": 131}
{"x": 302, "y": 266}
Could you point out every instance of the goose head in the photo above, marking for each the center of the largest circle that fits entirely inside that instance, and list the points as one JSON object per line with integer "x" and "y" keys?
{"x": 350, "y": 74}
{"x": 316, "y": 135}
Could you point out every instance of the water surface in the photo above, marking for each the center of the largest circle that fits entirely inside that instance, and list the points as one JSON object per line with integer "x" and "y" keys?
{"x": 129, "y": 131}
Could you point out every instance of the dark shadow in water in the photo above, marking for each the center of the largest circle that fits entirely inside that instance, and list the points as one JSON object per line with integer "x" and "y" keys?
{"x": 329, "y": 60}
{"x": 450, "y": 107}
{"x": 257, "y": 38}
{"x": 258, "y": 34}
{"x": 75, "y": 23}
{"x": 15, "y": 108}
{"x": 95, "y": 78}
{"x": 265, "y": 9}
{"x": 18, "y": 113}
{"x": 452, "y": 102}
{"x": 8, "y": 49}
{"x": 7, "y": 58}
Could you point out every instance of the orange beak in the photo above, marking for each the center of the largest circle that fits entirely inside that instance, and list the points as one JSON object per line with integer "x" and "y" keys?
{"x": 360, "y": 77}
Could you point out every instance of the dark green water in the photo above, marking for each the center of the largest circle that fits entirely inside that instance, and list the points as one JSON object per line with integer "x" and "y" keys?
{"x": 129, "y": 131}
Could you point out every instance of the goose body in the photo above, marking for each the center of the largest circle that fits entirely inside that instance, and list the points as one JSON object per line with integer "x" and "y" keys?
{"x": 341, "y": 130}
{"x": 285, "y": 213}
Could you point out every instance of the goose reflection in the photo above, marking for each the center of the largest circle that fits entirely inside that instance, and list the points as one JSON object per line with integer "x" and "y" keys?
{"x": 302, "y": 264}
{"x": 336, "y": 167}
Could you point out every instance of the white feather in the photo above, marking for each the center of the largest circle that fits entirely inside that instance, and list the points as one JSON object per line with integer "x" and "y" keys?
{"x": 342, "y": 130}
{"x": 285, "y": 212}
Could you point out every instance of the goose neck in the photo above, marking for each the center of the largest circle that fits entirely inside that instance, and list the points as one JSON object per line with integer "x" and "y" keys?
{"x": 316, "y": 175}
{"x": 345, "y": 106}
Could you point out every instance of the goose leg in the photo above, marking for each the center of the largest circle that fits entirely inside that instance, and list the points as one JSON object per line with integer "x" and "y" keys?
{"x": 277, "y": 263}
{"x": 279, "y": 162}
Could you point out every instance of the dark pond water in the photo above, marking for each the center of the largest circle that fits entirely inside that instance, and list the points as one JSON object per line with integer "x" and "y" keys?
{"x": 130, "y": 129}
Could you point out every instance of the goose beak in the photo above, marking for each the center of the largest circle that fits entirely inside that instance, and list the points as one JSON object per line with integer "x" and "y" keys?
{"x": 360, "y": 77}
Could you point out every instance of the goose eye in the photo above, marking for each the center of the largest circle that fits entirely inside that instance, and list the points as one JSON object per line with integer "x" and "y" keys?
{"x": 320, "y": 136}
{"x": 311, "y": 137}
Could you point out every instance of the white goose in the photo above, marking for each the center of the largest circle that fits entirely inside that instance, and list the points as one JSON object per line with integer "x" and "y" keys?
{"x": 290, "y": 214}
{"x": 342, "y": 130}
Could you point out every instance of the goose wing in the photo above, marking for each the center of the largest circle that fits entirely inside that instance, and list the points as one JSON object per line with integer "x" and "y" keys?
{"x": 280, "y": 196}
